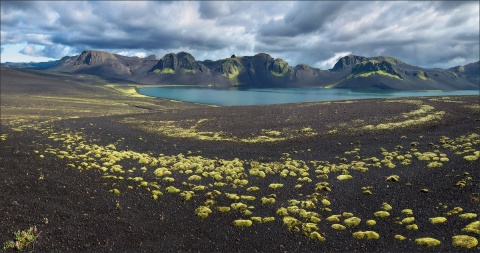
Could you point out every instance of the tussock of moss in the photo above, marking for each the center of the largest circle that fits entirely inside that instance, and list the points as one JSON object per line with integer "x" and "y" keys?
{"x": 464, "y": 241}
{"x": 369, "y": 235}
{"x": 338, "y": 227}
{"x": 316, "y": 236}
{"x": 386, "y": 206}
{"x": 381, "y": 214}
{"x": 437, "y": 220}
{"x": 427, "y": 241}
{"x": 275, "y": 186}
{"x": 468, "y": 216}
{"x": 292, "y": 223}
{"x": 393, "y": 178}
{"x": 352, "y": 221}
{"x": 400, "y": 237}
{"x": 454, "y": 211}
{"x": 115, "y": 191}
{"x": 371, "y": 222}
{"x": 242, "y": 223}
{"x": 407, "y": 211}
{"x": 473, "y": 227}
{"x": 412, "y": 227}
{"x": 334, "y": 218}
{"x": 344, "y": 177}
{"x": 203, "y": 211}
{"x": 408, "y": 220}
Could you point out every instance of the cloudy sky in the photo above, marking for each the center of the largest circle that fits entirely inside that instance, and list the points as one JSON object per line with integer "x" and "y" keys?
{"x": 429, "y": 34}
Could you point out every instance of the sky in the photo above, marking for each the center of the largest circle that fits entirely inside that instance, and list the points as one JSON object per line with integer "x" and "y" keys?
{"x": 423, "y": 33}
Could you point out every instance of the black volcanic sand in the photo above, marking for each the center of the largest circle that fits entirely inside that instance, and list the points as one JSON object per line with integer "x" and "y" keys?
{"x": 58, "y": 170}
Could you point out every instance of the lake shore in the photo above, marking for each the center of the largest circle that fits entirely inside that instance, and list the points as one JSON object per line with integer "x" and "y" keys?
{"x": 97, "y": 169}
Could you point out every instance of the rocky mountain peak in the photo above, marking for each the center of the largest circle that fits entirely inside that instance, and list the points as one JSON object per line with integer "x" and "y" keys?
{"x": 348, "y": 61}
{"x": 91, "y": 57}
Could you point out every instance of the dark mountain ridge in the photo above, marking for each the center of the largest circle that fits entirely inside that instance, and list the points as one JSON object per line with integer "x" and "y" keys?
{"x": 262, "y": 70}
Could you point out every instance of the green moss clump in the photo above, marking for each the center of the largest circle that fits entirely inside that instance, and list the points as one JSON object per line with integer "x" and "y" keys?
{"x": 381, "y": 214}
{"x": 308, "y": 204}
{"x": 412, "y": 227}
{"x": 407, "y": 211}
{"x": 256, "y": 219}
{"x": 325, "y": 202}
{"x": 473, "y": 227}
{"x": 371, "y": 222}
{"x": 408, "y": 220}
{"x": 292, "y": 223}
{"x": 115, "y": 191}
{"x": 282, "y": 211}
{"x": 427, "y": 241}
{"x": 400, "y": 237}
{"x": 464, "y": 241}
{"x": 438, "y": 220}
{"x": 468, "y": 216}
{"x": 309, "y": 227}
{"x": 172, "y": 189}
{"x": 242, "y": 223}
{"x": 238, "y": 206}
{"x": 223, "y": 209}
{"x": 393, "y": 178}
{"x": 187, "y": 195}
{"x": 316, "y": 236}
{"x": 275, "y": 186}
{"x": 252, "y": 189}
{"x": 470, "y": 158}
{"x": 369, "y": 235}
{"x": 268, "y": 200}
{"x": 454, "y": 211}
{"x": 386, "y": 206}
{"x": 334, "y": 218}
{"x": 338, "y": 227}
{"x": 268, "y": 219}
{"x": 344, "y": 177}
{"x": 203, "y": 211}
{"x": 352, "y": 221}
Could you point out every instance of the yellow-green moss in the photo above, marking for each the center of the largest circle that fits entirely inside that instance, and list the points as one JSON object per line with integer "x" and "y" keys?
{"x": 223, "y": 209}
{"x": 344, "y": 177}
{"x": 412, "y": 227}
{"x": 381, "y": 214}
{"x": 371, "y": 222}
{"x": 393, "y": 178}
{"x": 408, "y": 220}
{"x": 115, "y": 191}
{"x": 282, "y": 211}
{"x": 203, "y": 211}
{"x": 407, "y": 211}
{"x": 468, "y": 216}
{"x": 238, "y": 206}
{"x": 437, "y": 220}
{"x": 400, "y": 237}
{"x": 325, "y": 202}
{"x": 338, "y": 227}
{"x": 316, "y": 236}
{"x": 334, "y": 218}
{"x": 275, "y": 186}
{"x": 172, "y": 189}
{"x": 454, "y": 211}
{"x": 470, "y": 158}
{"x": 292, "y": 223}
{"x": 386, "y": 206}
{"x": 268, "y": 219}
{"x": 268, "y": 200}
{"x": 464, "y": 241}
{"x": 369, "y": 235}
{"x": 242, "y": 223}
{"x": 352, "y": 221}
{"x": 473, "y": 227}
{"x": 427, "y": 241}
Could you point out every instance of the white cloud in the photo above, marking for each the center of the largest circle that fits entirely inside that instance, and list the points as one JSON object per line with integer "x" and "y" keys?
{"x": 329, "y": 63}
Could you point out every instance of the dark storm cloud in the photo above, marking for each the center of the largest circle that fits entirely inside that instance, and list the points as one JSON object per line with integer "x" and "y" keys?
{"x": 422, "y": 33}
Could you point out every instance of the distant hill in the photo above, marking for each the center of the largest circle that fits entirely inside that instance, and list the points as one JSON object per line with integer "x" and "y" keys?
{"x": 261, "y": 70}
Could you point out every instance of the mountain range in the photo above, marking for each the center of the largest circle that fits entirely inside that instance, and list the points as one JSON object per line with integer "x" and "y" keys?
{"x": 261, "y": 70}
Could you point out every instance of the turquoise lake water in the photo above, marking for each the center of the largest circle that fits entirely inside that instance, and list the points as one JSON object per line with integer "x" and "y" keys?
{"x": 262, "y": 96}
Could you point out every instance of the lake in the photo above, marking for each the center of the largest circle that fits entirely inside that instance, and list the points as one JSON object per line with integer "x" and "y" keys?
{"x": 262, "y": 96}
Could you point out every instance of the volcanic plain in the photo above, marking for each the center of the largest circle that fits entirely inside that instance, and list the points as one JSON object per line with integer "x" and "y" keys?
{"x": 96, "y": 167}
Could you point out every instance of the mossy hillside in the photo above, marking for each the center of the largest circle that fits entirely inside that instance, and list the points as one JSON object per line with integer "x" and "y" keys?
{"x": 280, "y": 67}
{"x": 373, "y": 67}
